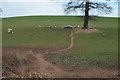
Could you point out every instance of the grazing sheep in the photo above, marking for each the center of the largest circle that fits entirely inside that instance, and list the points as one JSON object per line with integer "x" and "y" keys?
{"x": 78, "y": 26}
{"x": 68, "y": 27}
{"x": 10, "y": 31}
{"x": 39, "y": 26}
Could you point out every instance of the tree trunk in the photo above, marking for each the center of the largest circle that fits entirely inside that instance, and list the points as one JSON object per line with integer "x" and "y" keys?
{"x": 85, "y": 26}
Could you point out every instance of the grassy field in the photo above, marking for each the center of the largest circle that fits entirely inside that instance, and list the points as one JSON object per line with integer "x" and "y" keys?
{"x": 93, "y": 50}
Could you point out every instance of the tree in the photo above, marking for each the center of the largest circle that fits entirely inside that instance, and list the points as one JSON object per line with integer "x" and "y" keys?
{"x": 85, "y": 6}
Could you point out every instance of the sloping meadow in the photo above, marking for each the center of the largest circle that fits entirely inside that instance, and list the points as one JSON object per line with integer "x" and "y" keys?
{"x": 92, "y": 49}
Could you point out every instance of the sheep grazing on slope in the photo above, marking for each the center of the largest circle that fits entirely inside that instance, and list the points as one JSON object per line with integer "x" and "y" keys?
{"x": 78, "y": 26}
{"x": 68, "y": 27}
{"x": 10, "y": 31}
{"x": 39, "y": 26}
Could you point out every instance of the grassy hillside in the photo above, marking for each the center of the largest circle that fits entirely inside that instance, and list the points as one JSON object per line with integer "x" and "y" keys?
{"x": 94, "y": 49}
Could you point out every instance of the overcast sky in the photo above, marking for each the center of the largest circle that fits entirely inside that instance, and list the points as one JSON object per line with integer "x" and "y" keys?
{"x": 12, "y": 8}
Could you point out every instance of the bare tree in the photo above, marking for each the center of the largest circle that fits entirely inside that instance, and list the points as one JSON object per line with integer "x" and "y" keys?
{"x": 85, "y": 6}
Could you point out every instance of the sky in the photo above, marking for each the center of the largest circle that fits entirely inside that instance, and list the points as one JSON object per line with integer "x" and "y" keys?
{"x": 13, "y": 8}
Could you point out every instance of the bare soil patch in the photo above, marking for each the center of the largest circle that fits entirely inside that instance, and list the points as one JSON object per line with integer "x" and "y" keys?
{"x": 29, "y": 62}
{"x": 90, "y": 30}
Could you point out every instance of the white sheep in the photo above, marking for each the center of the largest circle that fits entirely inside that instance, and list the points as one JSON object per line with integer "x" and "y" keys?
{"x": 10, "y": 30}
{"x": 78, "y": 26}
{"x": 39, "y": 26}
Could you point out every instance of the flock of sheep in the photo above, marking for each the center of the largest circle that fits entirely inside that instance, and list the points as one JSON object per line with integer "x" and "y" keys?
{"x": 66, "y": 26}
{"x": 11, "y": 31}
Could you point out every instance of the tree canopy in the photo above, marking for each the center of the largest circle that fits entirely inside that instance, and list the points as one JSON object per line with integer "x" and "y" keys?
{"x": 80, "y": 5}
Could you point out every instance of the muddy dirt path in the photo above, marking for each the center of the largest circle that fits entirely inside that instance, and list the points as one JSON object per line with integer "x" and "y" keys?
{"x": 48, "y": 67}
{"x": 55, "y": 71}
{"x": 52, "y": 71}
{"x": 64, "y": 49}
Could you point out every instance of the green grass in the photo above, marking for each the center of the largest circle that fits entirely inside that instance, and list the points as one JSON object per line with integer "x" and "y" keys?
{"x": 90, "y": 50}
{"x": 97, "y": 49}
{"x": 36, "y": 37}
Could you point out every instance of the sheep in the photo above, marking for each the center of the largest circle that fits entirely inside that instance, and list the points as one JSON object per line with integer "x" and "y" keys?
{"x": 78, "y": 26}
{"x": 68, "y": 27}
{"x": 10, "y": 31}
{"x": 39, "y": 26}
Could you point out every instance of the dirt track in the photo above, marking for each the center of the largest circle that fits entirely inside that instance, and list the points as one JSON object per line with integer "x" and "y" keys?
{"x": 30, "y": 62}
